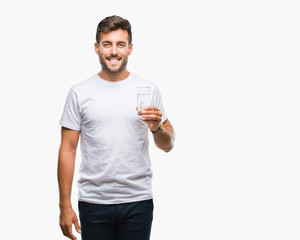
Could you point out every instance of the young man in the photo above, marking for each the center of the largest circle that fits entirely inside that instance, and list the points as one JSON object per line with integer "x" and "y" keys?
{"x": 115, "y": 196}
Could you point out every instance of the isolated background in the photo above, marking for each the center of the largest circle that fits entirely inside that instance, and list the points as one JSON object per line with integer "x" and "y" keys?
{"x": 229, "y": 75}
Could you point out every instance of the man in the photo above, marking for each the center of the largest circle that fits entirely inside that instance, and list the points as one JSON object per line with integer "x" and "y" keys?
{"x": 115, "y": 196}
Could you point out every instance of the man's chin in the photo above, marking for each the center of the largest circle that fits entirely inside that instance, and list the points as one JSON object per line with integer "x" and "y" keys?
{"x": 113, "y": 70}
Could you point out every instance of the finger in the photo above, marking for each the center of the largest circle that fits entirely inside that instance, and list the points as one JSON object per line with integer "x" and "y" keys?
{"x": 67, "y": 233}
{"x": 70, "y": 233}
{"x": 152, "y": 108}
{"x": 77, "y": 227}
{"x": 64, "y": 230}
{"x": 152, "y": 118}
{"x": 152, "y": 113}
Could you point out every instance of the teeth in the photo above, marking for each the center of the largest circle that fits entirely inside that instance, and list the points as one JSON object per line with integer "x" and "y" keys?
{"x": 114, "y": 60}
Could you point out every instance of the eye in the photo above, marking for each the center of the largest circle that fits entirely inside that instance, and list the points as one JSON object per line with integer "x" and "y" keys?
{"x": 106, "y": 44}
{"x": 122, "y": 45}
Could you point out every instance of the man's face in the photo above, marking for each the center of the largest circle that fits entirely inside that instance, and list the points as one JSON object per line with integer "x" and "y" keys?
{"x": 113, "y": 50}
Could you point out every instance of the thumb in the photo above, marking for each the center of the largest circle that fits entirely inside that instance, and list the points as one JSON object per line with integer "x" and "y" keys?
{"x": 77, "y": 227}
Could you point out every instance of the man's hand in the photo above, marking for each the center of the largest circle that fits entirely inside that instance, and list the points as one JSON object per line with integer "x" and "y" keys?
{"x": 152, "y": 116}
{"x": 67, "y": 219}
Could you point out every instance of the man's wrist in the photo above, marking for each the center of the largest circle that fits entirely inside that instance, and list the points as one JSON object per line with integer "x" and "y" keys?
{"x": 65, "y": 204}
{"x": 160, "y": 128}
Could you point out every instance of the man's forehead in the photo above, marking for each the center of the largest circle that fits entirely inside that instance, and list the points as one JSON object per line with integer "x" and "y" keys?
{"x": 114, "y": 36}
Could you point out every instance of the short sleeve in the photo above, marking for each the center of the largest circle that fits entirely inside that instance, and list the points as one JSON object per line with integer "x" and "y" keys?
{"x": 157, "y": 102}
{"x": 71, "y": 117}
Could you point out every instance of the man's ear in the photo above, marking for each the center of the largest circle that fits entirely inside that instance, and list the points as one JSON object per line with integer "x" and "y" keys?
{"x": 130, "y": 49}
{"x": 96, "y": 48}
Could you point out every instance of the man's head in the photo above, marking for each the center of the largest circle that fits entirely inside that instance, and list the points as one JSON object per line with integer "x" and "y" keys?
{"x": 113, "y": 23}
{"x": 113, "y": 44}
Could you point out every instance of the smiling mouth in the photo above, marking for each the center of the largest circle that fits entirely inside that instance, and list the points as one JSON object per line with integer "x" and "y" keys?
{"x": 113, "y": 60}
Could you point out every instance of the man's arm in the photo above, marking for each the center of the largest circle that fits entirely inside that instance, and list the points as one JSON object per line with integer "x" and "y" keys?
{"x": 163, "y": 139}
{"x": 65, "y": 172}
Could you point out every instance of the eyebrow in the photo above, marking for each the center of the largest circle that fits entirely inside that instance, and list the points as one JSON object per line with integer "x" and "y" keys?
{"x": 111, "y": 42}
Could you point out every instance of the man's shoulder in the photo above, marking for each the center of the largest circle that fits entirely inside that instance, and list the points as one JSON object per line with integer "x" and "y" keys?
{"x": 142, "y": 82}
{"x": 85, "y": 84}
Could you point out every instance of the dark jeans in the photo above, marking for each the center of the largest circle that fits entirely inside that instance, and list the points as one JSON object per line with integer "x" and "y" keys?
{"x": 126, "y": 221}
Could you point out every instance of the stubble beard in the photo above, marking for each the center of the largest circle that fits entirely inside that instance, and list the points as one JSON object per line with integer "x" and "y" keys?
{"x": 106, "y": 68}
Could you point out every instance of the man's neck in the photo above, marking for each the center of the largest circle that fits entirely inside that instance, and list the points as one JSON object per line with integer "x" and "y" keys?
{"x": 114, "y": 77}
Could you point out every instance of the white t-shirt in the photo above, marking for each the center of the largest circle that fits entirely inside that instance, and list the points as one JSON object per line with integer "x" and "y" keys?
{"x": 115, "y": 165}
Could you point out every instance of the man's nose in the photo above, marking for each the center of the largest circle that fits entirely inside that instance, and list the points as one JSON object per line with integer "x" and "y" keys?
{"x": 114, "y": 50}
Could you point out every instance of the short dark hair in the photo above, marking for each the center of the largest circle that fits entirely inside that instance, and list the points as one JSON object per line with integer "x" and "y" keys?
{"x": 113, "y": 23}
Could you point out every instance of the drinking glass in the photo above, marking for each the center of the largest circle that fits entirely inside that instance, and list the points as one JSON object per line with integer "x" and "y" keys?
{"x": 143, "y": 98}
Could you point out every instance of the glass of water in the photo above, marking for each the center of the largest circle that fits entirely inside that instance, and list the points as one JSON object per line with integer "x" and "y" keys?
{"x": 143, "y": 98}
